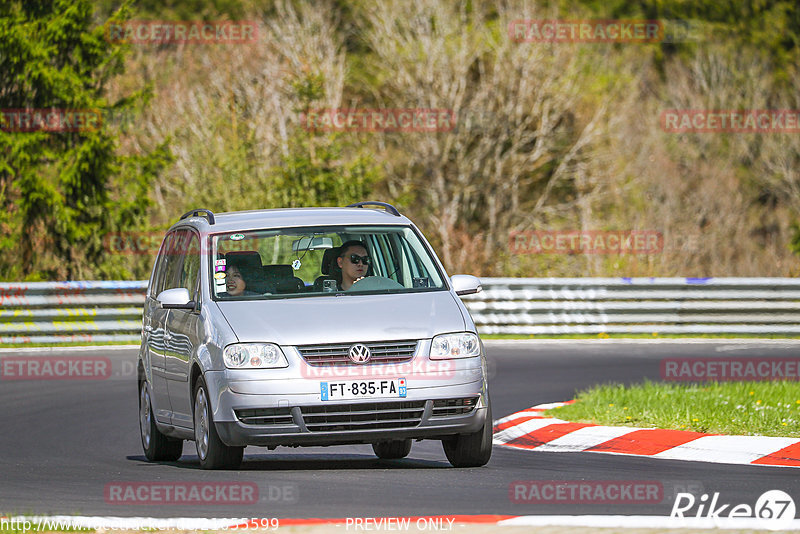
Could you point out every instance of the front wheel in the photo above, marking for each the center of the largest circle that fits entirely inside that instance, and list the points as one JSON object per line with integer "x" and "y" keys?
{"x": 213, "y": 453}
{"x": 471, "y": 450}
{"x": 392, "y": 450}
{"x": 157, "y": 447}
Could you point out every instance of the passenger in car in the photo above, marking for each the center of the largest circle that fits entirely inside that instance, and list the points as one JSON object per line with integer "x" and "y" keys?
{"x": 353, "y": 260}
{"x": 235, "y": 282}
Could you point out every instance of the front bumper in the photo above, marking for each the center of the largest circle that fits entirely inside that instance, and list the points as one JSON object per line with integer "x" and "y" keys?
{"x": 298, "y": 434}
{"x": 295, "y": 415}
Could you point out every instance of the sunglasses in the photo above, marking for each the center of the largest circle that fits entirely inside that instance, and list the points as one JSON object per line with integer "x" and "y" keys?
{"x": 355, "y": 259}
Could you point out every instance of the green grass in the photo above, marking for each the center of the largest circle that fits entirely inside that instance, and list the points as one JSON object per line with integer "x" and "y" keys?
{"x": 734, "y": 408}
{"x": 654, "y": 335}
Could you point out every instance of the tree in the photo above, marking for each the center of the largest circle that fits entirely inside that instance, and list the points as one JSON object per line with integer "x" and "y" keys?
{"x": 524, "y": 131}
{"x": 238, "y": 135}
{"x": 63, "y": 187}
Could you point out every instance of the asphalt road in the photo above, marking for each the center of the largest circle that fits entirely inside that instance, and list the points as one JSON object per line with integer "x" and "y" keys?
{"x": 64, "y": 442}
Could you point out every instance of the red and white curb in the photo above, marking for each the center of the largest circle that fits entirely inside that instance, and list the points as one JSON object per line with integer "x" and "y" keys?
{"x": 395, "y": 523}
{"x": 531, "y": 430}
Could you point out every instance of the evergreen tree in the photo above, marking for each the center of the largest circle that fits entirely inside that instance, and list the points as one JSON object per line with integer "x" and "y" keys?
{"x": 63, "y": 186}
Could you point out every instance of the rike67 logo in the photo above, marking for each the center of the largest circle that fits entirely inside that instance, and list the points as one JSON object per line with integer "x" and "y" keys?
{"x": 774, "y": 509}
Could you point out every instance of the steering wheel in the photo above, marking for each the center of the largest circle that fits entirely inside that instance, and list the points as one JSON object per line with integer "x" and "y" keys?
{"x": 372, "y": 283}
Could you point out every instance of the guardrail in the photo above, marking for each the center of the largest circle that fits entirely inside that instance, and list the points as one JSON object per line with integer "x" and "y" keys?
{"x": 66, "y": 312}
{"x": 59, "y": 312}
{"x": 637, "y": 305}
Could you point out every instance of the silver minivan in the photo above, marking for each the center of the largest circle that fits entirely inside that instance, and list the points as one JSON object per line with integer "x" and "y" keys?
{"x": 307, "y": 327}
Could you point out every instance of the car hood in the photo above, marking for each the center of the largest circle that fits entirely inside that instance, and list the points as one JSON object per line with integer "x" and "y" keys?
{"x": 344, "y": 319}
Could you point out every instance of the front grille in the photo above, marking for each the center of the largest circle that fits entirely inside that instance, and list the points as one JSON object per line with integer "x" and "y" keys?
{"x": 365, "y": 416}
{"x": 445, "y": 407}
{"x": 265, "y": 416}
{"x": 337, "y": 354}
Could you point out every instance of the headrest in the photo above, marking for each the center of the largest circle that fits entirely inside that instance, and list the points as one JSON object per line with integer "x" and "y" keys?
{"x": 328, "y": 264}
{"x": 244, "y": 258}
{"x": 278, "y": 271}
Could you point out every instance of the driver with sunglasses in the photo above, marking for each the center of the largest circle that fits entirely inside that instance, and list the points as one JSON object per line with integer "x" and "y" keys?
{"x": 353, "y": 261}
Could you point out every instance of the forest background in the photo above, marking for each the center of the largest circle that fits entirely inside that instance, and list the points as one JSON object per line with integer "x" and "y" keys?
{"x": 548, "y": 135}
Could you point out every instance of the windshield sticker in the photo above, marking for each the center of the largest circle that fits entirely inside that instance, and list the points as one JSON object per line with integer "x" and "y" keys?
{"x": 219, "y": 268}
{"x": 219, "y": 276}
{"x": 220, "y": 262}
{"x": 237, "y": 237}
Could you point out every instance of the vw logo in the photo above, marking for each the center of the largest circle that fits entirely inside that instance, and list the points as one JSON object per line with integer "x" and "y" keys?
{"x": 359, "y": 353}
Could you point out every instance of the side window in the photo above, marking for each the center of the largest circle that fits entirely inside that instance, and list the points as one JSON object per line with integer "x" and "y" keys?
{"x": 411, "y": 258}
{"x": 173, "y": 256}
{"x": 190, "y": 270}
{"x": 398, "y": 269}
{"x": 161, "y": 262}
{"x": 378, "y": 265}
{"x": 387, "y": 260}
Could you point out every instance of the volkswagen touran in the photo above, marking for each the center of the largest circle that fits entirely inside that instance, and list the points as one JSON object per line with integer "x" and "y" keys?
{"x": 308, "y": 327}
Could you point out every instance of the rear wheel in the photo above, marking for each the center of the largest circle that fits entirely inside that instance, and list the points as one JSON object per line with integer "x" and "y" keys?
{"x": 392, "y": 450}
{"x": 213, "y": 453}
{"x": 157, "y": 447}
{"x": 471, "y": 450}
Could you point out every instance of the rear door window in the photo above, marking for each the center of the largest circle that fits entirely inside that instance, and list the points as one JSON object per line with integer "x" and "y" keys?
{"x": 190, "y": 268}
{"x": 170, "y": 261}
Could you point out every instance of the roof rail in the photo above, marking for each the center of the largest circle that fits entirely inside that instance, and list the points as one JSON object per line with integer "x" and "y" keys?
{"x": 391, "y": 209}
{"x": 196, "y": 213}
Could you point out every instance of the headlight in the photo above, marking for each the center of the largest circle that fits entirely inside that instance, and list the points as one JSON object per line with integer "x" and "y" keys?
{"x": 463, "y": 345}
{"x": 254, "y": 356}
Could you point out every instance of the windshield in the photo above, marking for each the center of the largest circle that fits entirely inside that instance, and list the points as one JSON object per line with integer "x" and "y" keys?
{"x": 321, "y": 261}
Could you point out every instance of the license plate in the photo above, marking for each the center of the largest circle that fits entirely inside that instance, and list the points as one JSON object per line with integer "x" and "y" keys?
{"x": 363, "y": 389}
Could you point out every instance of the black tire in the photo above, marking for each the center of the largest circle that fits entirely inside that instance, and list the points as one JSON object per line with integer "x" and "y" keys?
{"x": 471, "y": 450}
{"x": 213, "y": 453}
{"x": 392, "y": 450}
{"x": 157, "y": 447}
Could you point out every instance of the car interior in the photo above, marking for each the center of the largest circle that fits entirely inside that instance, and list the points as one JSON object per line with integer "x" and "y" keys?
{"x": 274, "y": 263}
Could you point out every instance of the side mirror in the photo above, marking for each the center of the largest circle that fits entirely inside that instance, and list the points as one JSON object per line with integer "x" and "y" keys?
{"x": 176, "y": 299}
{"x": 465, "y": 284}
